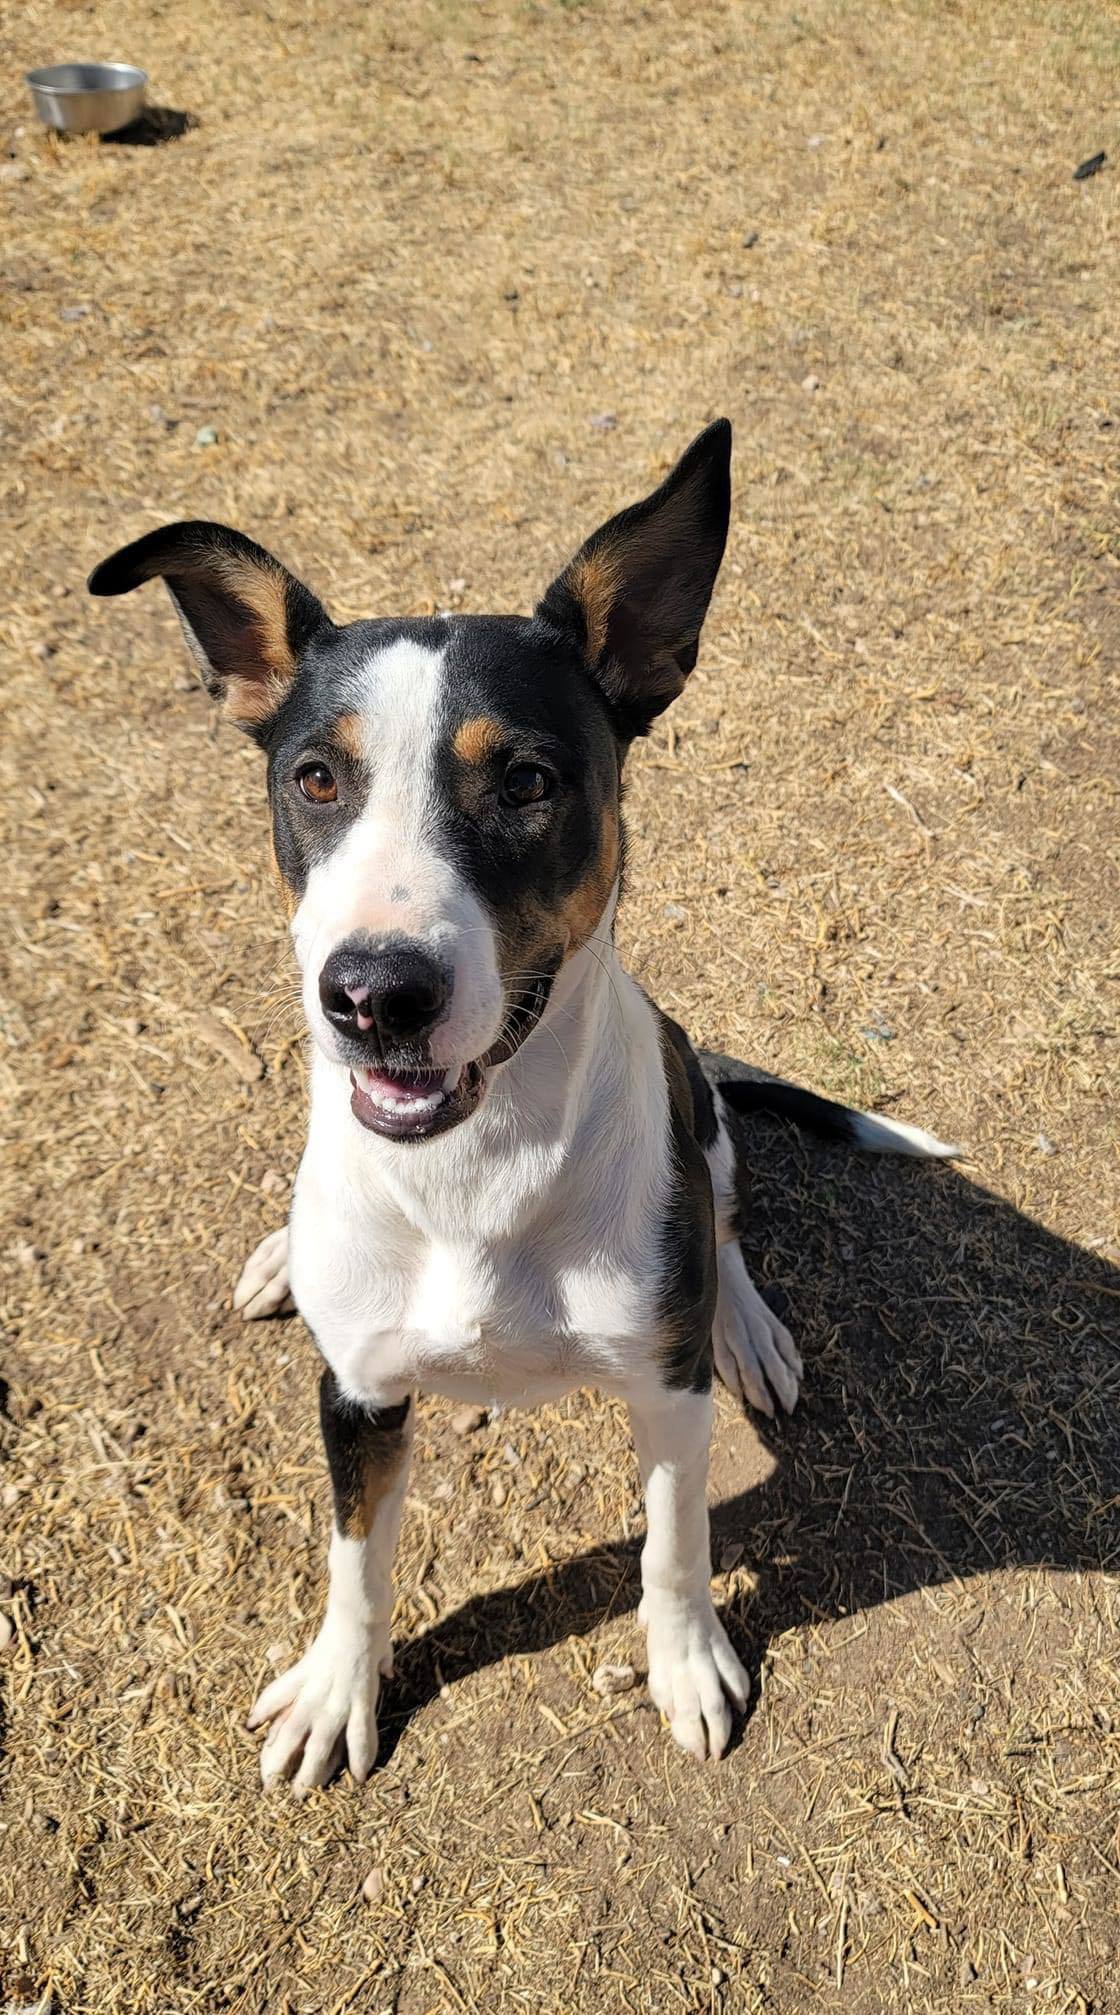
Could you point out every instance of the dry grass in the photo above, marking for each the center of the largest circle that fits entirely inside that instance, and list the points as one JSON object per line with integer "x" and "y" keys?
{"x": 406, "y": 265}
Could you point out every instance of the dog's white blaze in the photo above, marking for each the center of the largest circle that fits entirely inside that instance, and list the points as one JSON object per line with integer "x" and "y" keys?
{"x": 388, "y": 873}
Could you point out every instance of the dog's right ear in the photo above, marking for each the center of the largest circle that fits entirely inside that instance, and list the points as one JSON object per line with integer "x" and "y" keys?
{"x": 245, "y": 618}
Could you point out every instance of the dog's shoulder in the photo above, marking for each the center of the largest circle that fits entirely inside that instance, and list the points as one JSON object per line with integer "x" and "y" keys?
{"x": 689, "y": 1091}
{"x": 687, "y": 1242}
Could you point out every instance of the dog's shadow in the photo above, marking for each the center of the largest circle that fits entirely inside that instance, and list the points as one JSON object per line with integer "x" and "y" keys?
{"x": 960, "y": 1413}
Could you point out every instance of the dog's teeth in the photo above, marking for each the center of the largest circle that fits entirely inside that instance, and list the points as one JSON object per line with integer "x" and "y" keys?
{"x": 451, "y": 1078}
{"x": 391, "y": 1102}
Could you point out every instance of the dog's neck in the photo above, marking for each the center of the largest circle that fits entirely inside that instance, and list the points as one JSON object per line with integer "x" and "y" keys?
{"x": 542, "y": 1094}
{"x": 557, "y": 1118}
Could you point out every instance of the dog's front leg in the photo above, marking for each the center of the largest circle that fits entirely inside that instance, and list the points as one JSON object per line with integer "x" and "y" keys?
{"x": 329, "y": 1700}
{"x": 693, "y": 1672}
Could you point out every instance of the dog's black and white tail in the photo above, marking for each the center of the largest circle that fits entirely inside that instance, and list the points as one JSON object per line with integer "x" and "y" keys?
{"x": 823, "y": 1116}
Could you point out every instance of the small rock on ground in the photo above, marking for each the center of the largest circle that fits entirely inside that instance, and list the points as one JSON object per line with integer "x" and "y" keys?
{"x": 610, "y": 1679}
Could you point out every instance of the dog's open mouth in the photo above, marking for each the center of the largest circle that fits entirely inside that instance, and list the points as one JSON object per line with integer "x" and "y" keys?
{"x": 414, "y": 1104}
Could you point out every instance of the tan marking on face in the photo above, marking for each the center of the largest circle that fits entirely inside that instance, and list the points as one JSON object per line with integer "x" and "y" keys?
{"x": 478, "y": 739}
{"x": 288, "y": 895}
{"x": 348, "y": 734}
{"x": 594, "y": 579}
{"x": 585, "y": 905}
{"x": 534, "y": 934}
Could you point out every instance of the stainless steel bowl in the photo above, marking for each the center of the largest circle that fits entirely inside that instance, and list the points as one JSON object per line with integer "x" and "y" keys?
{"x": 88, "y": 97}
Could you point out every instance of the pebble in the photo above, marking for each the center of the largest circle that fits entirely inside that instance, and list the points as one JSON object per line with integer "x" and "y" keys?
{"x": 610, "y": 1679}
{"x": 273, "y": 1182}
{"x": 9, "y": 1496}
{"x": 498, "y": 1492}
{"x": 730, "y": 1557}
{"x": 373, "y": 1888}
{"x": 14, "y": 171}
{"x": 468, "y": 1419}
{"x": 675, "y": 912}
{"x": 604, "y": 423}
{"x": 878, "y": 1031}
{"x": 1045, "y": 1145}
{"x": 7, "y": 1632}
{"x": 206, "y": 437}
{"x": 76, "y": 314}
{"x": 28, "y": 1255}
{"x": 811, "y": 383}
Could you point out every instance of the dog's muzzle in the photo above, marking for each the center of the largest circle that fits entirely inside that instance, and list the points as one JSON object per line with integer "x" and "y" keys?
{"x": 413, "y": 1102}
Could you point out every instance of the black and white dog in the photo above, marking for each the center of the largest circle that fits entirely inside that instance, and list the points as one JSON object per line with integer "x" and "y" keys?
{"x": 517, "y": 1179}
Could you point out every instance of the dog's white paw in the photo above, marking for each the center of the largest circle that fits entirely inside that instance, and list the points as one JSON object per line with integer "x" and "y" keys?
{"x": 264, "y": 1288}
{"x": 755, "y": 1355}
{"x": 325, "y": 1705}
{"x": 694, "y": 1675}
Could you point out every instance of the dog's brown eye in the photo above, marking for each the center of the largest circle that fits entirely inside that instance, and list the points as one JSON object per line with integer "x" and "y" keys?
{"x": 525, "y": 784}
{"x": 317, "y": 783}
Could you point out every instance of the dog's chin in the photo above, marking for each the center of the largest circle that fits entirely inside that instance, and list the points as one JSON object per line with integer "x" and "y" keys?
{"x": 415, "y": 1104}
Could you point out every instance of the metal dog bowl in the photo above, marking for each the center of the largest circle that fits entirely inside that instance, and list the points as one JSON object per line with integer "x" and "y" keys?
{"x": 88, "y": 97}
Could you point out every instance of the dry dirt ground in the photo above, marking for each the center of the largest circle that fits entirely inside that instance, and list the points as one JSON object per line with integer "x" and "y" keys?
{"x": 447, "y": 284}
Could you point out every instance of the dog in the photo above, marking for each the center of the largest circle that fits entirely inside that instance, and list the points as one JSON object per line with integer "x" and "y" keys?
{"x": 518, "y": 1177}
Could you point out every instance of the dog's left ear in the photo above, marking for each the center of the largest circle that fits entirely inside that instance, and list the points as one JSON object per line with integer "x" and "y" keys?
{"x": 637, "y": 592}
{"x": 246, "y": 619}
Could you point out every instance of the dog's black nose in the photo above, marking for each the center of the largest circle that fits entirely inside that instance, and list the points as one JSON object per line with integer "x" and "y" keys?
{"x": 384, "y": 997}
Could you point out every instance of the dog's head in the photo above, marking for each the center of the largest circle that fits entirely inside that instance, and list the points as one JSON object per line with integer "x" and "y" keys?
{"x": 445, "y": 793}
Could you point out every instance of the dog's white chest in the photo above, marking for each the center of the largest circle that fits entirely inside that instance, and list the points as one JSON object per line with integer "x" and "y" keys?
{"x": 476, "y": 1322}
{"x": 469, "y": 1321}
{"x": 456, "y": 1302}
